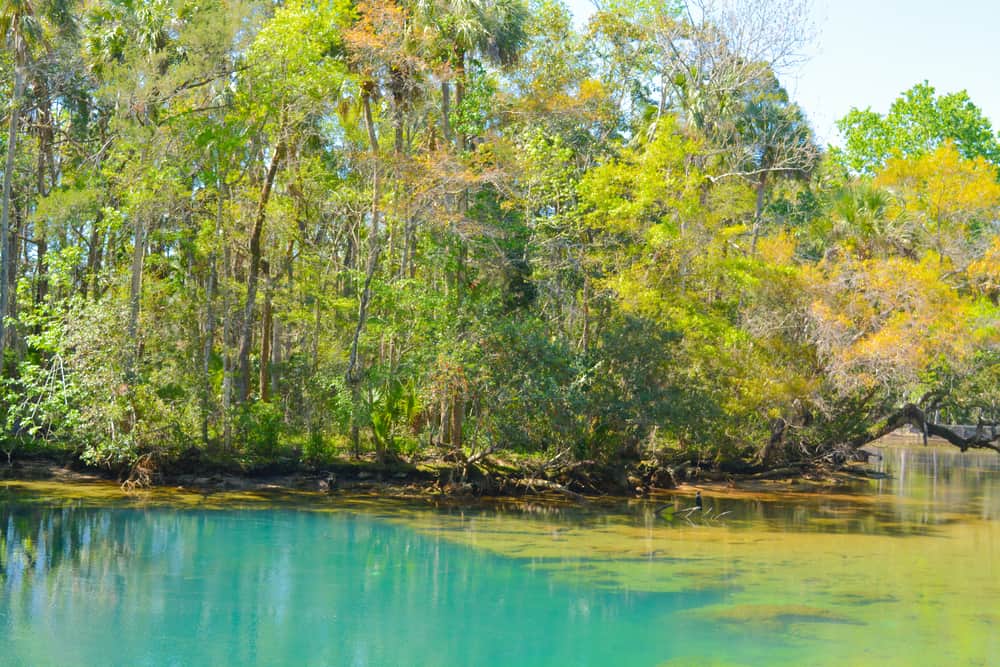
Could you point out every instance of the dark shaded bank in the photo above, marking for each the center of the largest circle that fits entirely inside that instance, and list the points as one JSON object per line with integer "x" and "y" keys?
{"x": 444, "y": 476}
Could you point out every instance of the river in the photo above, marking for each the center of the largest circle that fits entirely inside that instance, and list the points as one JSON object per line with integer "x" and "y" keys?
{"x": 899, "y": 570}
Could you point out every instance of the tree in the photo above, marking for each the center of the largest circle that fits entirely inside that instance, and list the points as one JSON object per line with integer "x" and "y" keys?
{"x": 288, "y": 85}
{"x": 953, "y": 197}
{"x": 771, "y": 137}
{"x": 493, "y": 30}
{"x": 720, "y": 49}
{"x": 301, "y": 231}
{"x": 918, "y": 121}
{"x": 20, "y": 27}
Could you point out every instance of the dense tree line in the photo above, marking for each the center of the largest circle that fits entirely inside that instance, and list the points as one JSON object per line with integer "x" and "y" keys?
{"x": 403, "y": 227}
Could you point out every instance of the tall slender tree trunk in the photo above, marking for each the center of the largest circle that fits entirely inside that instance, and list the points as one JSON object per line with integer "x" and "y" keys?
{"x": 135, "y": 297}
{"x": 95, "y": 252}
{"x": 227, "y": 357}
{"x": 461, "y": 138}
{"x": 46, "y": 179}
{"x": 457, "y": 411}
{"x": 758, "y": 211}
{"x": 206, "y": 358}
{"x": 457, "y": 418}
{"x": 246, "y": 336}
{"x": 8, "y": 177}
{"x": 366, "y": 103}
{"x": 446, "y": 111}
{"x": 210, "y": 289}
{"x": 354, "y": 366}
{"x": 266, "y": 338}
{"x": 445, "y": 424}
{"x": 398, "y": 100}
{"x": 278, "y": 339}
{"x": 18, "y": 252}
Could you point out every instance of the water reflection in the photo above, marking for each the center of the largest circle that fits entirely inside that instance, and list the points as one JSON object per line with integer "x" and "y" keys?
{"x": 941, "y": 479}
{"x": 912, "y": 491}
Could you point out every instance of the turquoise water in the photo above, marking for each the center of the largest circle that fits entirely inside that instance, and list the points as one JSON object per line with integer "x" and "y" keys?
{"x": 906, "y": 571}
{"x": 134, "y": 587}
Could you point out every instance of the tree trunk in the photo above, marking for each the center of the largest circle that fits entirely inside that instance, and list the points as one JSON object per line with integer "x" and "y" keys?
{"x": 461, "y": 140}
{"x": 18, "y": 252}
{"x": 398, "y": 99}
{"x": 95, "y": 252}
{"x": 213, "y": 279}
{"x": 135, "y": 297}
{"x": 354, "y": 369}
{"x": 775, "y": 442}
{"x": 8, "y": 177}
{"x": 246, "y": 335}
{"x": 758, "y": 212}
{"x": 459, "y": 62}
{"x": 370, "y": 125}
{"x": 227, "y": 359}
{"x": 266, "y": 332}
{"x": 45, "y": 166}
{"x": 457, "y": 419}
{"x": 446, "y": 111}
{"x": 445, "y": 423}
{"x": 206, "y": 359}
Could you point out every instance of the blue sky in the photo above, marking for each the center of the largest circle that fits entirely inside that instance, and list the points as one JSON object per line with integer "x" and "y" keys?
{"x": 868, "y": 51}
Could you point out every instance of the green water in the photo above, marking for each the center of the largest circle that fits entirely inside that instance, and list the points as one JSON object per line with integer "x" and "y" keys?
{"x": 904, "y": 570}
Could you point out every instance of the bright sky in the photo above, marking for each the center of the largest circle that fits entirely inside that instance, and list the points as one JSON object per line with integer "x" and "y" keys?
{"x": 869, "y": 51}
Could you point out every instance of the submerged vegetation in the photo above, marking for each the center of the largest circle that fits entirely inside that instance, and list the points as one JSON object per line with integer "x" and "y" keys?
{"x": 253, "y": 232}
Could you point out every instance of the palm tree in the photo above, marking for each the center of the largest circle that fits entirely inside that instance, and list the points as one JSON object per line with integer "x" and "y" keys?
{"x": 863, "y": 214}
{"x": 774, "y": 138}
{"x": 492, "y": 29}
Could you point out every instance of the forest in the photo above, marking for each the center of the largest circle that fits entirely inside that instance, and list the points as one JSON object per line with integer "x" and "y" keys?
{"x": 297, "y": 231}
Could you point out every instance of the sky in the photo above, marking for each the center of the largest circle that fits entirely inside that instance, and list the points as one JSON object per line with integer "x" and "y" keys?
{"x": 867, "y": 52}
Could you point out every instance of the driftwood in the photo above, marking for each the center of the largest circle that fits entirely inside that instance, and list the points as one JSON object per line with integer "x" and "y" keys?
{"x": 533, "y": 485}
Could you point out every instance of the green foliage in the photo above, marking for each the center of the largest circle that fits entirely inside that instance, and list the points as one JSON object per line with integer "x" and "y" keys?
{"x": 259, "y": 427}
{"x": 918, "y": 121}
{"x": 476, "y": 109}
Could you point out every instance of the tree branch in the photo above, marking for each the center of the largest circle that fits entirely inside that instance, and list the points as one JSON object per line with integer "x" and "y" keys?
{"x": 913, "y": 415}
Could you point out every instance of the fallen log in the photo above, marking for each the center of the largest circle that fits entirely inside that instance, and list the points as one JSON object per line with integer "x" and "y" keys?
{"x": 778, "y": 473}
{"x": 913, "y": 415}
{"x": 533, "y": 485}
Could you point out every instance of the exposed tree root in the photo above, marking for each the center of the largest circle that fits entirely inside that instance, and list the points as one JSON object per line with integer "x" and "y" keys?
{"x": 142, "y": 473}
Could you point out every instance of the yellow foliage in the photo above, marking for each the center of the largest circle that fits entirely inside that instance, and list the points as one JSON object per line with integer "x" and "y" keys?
{"x": 778, "y": 250}
{"x": 984, "y": 274}
{"x": 942, "y": 186}
{"x": 882, "y": 321}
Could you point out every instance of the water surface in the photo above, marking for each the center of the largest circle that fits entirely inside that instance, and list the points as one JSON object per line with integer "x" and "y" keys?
{"x": 901, "y": 570}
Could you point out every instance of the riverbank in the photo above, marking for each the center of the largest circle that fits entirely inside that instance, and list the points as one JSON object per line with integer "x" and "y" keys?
{"x": 581, "y": 482}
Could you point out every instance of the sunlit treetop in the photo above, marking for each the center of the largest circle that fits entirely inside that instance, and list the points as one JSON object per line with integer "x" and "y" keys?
{"x": 918, "y": 121}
